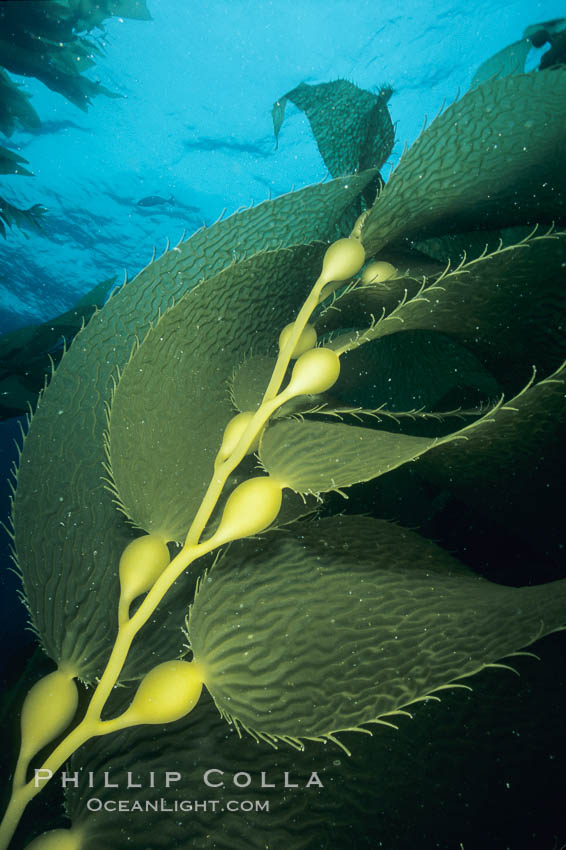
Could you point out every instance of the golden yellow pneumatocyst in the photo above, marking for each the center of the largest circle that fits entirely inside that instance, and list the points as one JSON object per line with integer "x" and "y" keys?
{"x": 48, "y": 709}
{"x": 56, "y": 839}
{"x": 142, "y": 562}
{"x": 250, "y": 508}
{"x": 165, "y": 694}
{"x": 343, "y": 259}
{"x": 232, "y": 434}
{"x": 378, "y": 271}
{"x": 314, "y": 372}
{"x": 306, "y": 340}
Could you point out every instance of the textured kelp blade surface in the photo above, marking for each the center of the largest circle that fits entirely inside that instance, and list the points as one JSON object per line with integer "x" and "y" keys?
{"x": 352, "y": 127}
{"x": 510, "y": 60}
{"x": 192, "y": 746}
{"x": 511, "y": 437}
{"x": 316, "y": 457}
{"x": 494, "y": 158}
{"x": 392, "y": 773}
{"x": 171, "y": 404}
{"x": 507, "y": 307}
{"x": 349, "y": 622}
{"x": 249, "y": 381}
{"x": 355, "y": 306}
{"x": 455, "y": 248}
{"x": 69, "y": 563}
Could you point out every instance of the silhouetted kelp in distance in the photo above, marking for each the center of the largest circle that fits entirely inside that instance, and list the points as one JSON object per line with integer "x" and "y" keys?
{"x": 513, "y": 58}
{"x": 326, "y": 626}
{"x": 48, "y": 41}
{"x": 30, "y": 218}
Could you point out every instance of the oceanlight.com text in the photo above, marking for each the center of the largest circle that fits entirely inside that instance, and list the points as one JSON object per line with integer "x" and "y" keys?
{"x": 95, "y": 804}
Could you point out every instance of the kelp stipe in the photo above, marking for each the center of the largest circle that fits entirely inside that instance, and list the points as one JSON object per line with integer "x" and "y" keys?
{"x": 167, "y": 692}
{"x": 340, "y": 623}
{"x": 170, "y": 690}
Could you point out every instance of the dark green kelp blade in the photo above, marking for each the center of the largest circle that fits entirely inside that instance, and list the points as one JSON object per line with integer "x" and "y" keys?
{"x": 317, "y": 457}
{"x": 356, "y": 304}
{"x": 49, "y": 41}
{"x": 196, "y": 744}
{"x": 507, "y": 307}
{"x": 495, "y": 158}
{"x": 352, "y": 127}
{"x": 69, "y": 564}
{"x": 16, "y": 111}
{"x": 249, "y": 380}
{"x": 512, "y": 461}
{"x": 415, "y": 369}
{"x": 455, "y": 248}
{"x": 511, "y": 437}
{"x": 412, "y": 777}
{"x": 349, "y": 623}
{"x": 402, "y": 372}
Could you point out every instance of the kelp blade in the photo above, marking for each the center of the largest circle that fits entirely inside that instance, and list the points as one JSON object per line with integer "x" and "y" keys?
{"x": 493, "y": 159}
{"x": 69, "y": 563}
{"x": 179, "y": 376}
{"x": 480, "y": 303}
{"x": 316, "y": 457}
{"x": 352, "y": 127}
{"x": 348, "y": 623}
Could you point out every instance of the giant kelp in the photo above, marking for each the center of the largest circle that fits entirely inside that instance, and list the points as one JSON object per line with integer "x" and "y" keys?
{"x": 513, "y": 58}
{"x": 11, "y": 215}
{"x": 49, "y": 41}
{"x": 352, "y": 127}
{"x": 76, "y": 387}
{"x": 329, "y": 626}
{"x": 490, "y": 160}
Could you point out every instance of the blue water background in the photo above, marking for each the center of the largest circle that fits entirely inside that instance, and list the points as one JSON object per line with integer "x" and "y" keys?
{"x": 194, "y": 121}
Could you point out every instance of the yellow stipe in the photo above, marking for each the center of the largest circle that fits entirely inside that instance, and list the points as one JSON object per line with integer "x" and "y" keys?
{"x": 234, "y": 431}
{"x": 341, "y": 257}
{"x": 92, "y": 725}
{"x": 342, "y": 260}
